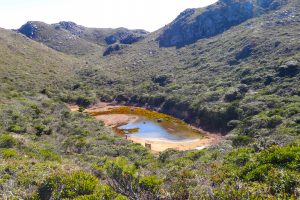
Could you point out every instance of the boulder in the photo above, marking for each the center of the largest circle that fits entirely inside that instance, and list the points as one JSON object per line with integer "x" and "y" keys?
{"x": 290, "y": 68}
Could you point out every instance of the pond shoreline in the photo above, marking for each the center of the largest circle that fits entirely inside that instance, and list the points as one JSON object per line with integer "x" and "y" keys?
{"x": 156, "y": 144}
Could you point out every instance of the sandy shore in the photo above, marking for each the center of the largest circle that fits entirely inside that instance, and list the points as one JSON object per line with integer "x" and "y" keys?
{"x": 114, "y": 120}
{"x": 111, "y": 120}
{"x": 155, "y": 144}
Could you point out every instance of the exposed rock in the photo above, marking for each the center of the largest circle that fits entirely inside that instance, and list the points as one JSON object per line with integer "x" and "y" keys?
{"x": 115, "y": 48}
{"x": 70, "y": 26}
{"x": 290, "y": 68}
{"x": 125, "y": 36}
{"x": 29, "y": 29}
{"x": 130, "y": 39}
{"x": 233, "y": 123}
{"x": 194, "y": 24}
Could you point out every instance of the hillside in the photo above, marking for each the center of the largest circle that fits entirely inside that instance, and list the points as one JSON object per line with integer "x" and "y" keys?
{"x": 194, "y": 24}
{"x": 232, "y": 67}
{"x": 236, "y": 68}
{"x": 71, "y": 38}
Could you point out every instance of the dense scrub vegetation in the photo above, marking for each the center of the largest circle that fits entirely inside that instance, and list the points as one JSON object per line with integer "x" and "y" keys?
{"x": 243, "y": 82}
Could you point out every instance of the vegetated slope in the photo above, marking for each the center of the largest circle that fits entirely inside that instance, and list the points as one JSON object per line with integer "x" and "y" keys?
{"x": 232, "y": 76}
{"x": 243, "y": 81}
{"x": 39, "y": 136}
{"x": 27, "y": 66}
{"x": 71, "y": 38}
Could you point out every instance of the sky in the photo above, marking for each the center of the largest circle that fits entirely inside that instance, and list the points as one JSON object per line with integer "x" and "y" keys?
{"x": 134, "y": 14}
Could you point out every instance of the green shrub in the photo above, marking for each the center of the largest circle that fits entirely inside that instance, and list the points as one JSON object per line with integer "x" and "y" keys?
{"x": 283, "y": 181}
{"x": 241, "y": 140}
{"x": 83, "y": 101}
{"x": 259, "y": 173}
{"x": 42, "y": 129}
{"x": 125, "y": 179}
{"x": 68, "y": 186}
{"x": 47, "y": 154}
{"x": 150, "y": 183}
{"x": 8, "y": 153}
{"x": 78, "y": 183}
{"x": 17, "y": 129}
{"x": 7, "y": 141}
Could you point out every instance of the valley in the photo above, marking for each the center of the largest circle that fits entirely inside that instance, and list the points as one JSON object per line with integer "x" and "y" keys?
{"x": 206, "y": 107}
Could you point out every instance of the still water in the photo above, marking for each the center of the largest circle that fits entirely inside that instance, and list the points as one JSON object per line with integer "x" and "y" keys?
{"x": 155, "y": 129}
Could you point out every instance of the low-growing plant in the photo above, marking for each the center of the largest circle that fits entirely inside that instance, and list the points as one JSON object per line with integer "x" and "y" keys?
{"x": 8, "y": 153}
{"x": 7, "y": 141}
{"x": 68, "y": 186}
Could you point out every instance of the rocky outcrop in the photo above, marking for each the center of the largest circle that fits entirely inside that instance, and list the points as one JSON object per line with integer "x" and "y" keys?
{"x": 194, "y": 24}
{"x": 289, "y": 69}
{"x": 29, "y": 29}
{"x": 113, "y": 49}
{"x": 125, "y": 36}
{"x": 68, "y": 36}
{"x": 70, "y": 26}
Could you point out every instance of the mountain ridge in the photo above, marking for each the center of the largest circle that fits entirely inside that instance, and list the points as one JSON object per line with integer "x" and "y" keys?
{"x": 68, "y": 36}
{"x": 194, "y": 24}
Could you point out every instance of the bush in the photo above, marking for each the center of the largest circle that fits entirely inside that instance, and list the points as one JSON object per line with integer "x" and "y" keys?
{"x": 47, "y": 154}
{"x": 17, "y": 129}
{"x": 7, "y": 141}
{"x": 42, "y": 129}
{"x": 83, "y": 101}
{"x": 150, "y": 183}
{"x": 8, "y": 153}
{"x": 68, "y": 186}
{"x": 258, "y": 174}
{"x": 241, "y": 140}
{"x": 125, "y": 179}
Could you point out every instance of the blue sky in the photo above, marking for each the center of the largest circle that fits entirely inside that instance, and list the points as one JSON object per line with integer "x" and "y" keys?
{"x": 146, "y": 14}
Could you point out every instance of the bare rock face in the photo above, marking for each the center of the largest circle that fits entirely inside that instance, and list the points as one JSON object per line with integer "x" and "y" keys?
{"x": 194, "y": 24}
{"x": 70, "y": 26}
{"x": 29, "y": 29}
{"x": 114, "y": 49}
{"x": 125, "y": 36}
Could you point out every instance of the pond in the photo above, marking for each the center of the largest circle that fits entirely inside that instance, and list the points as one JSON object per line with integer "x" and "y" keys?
{"x": 156, "y": 131}
{"x": 147, "y": 128}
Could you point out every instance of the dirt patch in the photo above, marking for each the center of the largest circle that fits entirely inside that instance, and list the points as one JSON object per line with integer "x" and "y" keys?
{"x": 115, "y": 120}
{"x": 158, "y": 145}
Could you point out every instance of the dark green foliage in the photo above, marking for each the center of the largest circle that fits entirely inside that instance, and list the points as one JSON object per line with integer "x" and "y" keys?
{"x": 125, "y": 179}
{"x": 7, "y": 141}
{"x": 276, "y": 167}
{"x": 68, "y": 186}
{"x": 8, "y": 153}
{"x": 241, "y": 140}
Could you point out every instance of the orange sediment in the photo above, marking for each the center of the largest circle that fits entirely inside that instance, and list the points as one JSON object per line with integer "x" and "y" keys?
{"x": 115, "y": 116}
